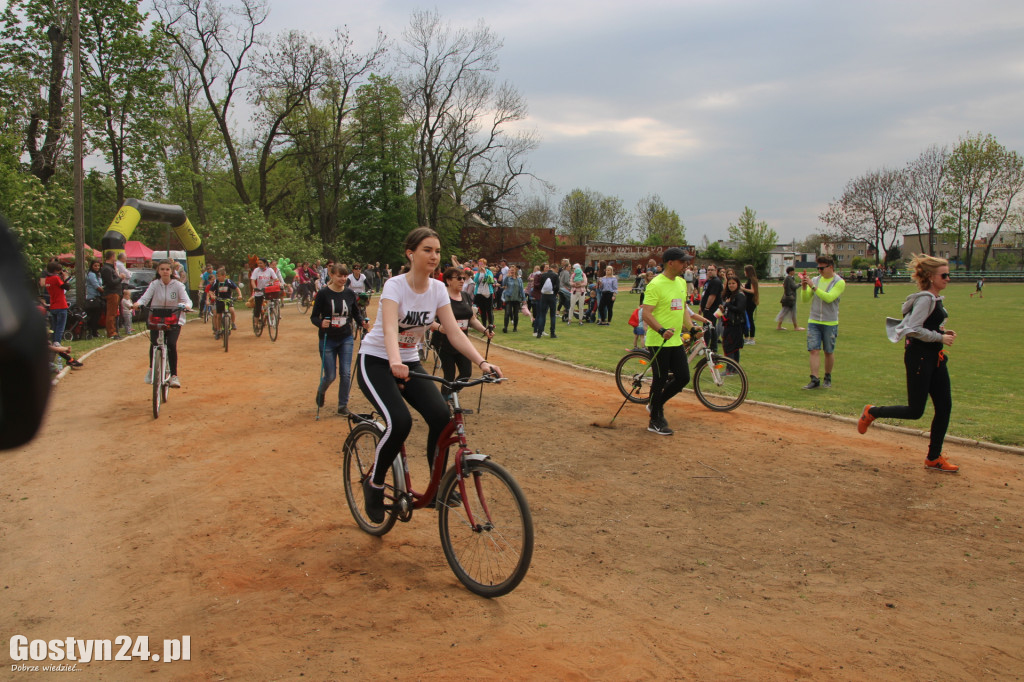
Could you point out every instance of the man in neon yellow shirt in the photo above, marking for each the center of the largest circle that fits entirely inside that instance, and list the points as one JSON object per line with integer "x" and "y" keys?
{"x": 665, "y": 314}
{"x": 823, "y": 292}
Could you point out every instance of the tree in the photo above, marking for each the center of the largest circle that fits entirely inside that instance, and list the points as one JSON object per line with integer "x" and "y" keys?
{"x": 326, "y": 142}
{"x": 755, "y": 240}
{"x": 870, "y": 208}
{"x": 613, "y": 220}
{"x": 984, "y": 181}
{"x": 921, "y": 190}
{"x": 34, "y": 59}
{"x": 579, "y": 215}
{"x": 658, "y": 225}
{"x": 125, "y": 91}
{"x": 716, "y": 252}
{"x": 217, "y": 49}
{"x": 379, "y": 209}
{"x": 811, "y": 244}
{"x": 467, "y": 161}
{"x": 533, "y": 254}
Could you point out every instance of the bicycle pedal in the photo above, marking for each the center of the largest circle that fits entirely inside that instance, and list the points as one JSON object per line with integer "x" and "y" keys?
{"x": 466, "y": 410}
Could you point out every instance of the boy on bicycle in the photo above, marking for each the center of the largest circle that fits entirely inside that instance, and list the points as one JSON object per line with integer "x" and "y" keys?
{"x": 222, "y": 289}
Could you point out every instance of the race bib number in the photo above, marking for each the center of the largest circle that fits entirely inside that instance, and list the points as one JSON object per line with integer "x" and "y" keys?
{"x": 677, "y": 304}
{"x": 339, "y": 320}
{"x": 463, "y": 325}
{"x": 406, "y": 340}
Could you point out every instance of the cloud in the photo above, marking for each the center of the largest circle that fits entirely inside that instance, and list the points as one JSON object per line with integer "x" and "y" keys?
{"x": 640, "y": 136}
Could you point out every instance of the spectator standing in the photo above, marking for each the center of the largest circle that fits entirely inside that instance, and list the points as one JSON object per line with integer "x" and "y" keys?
{"x": 577, "y": 292}
{"x": 93, "y": 298}
{"x": 711, "y": 298}
{"x": 483, "y": 291}
{"x": 752, "y": 294}
{"x": 565, "y": 284}
{"x": 688, "y": 276}
{"x": 609, "y": 289}
{"x": 548, "y": 284}
{"x": 788, "y": 302}
{"x": 112, "y": 288}
{"x": 56, "y": 284}
{"x": 512, "y": 296}
{"x": 734, "y": 317}
{"x": 823, "y": 293}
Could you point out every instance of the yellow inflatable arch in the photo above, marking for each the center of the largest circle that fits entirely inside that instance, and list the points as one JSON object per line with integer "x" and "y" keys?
{"x": 133, "y": 211}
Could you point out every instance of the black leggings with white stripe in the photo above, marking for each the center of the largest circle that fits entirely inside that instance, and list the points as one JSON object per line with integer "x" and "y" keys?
{"x": 389, "y": 399}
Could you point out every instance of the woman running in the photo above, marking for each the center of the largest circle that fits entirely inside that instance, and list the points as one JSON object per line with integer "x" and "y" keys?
{"x": 462, "y": 309}
{"x": 409, "y": 304}
{"x": 166, "y": 292}
{"x": 923, "y": 357}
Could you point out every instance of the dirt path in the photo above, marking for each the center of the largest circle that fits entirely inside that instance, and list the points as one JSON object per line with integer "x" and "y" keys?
{"x": 752, "y": 545}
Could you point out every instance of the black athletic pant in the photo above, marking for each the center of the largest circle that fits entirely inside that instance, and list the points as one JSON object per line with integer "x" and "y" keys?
{"x": 668, "y": 359}
{"x": 483, "y": 307}
{"x": 512, "y": 313}
{"x": 383, "y": 391}
{"x": 927, "y": 375}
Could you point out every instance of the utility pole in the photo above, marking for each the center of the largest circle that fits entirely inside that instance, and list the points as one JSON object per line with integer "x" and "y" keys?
{"x": 78, "y": 213}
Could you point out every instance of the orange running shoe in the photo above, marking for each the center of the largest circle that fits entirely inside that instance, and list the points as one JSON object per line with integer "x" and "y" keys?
{"x": 941, "y": 464}
{"x": 865, "y": 419}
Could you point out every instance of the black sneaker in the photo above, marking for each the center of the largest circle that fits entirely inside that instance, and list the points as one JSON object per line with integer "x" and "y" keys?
{"x": 660, "y": 427}
{"x": 373, "y": 501}
{"x": 319, "y": 399}
{"x": 814, "y": 383}
{"x": 342, "y": 410}
{"x": 828, "y": 381}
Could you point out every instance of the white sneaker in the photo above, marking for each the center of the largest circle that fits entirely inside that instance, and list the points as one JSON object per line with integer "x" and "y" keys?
{"x": 149, "y": 377}
{"x": 174, "y": 382}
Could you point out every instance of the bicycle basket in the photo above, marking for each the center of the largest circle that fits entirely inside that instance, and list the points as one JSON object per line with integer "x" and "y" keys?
{"x": 162, "y": 318}
{"x": 272, "y": 293}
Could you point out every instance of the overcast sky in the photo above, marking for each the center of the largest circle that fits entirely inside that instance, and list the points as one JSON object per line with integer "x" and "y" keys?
{"x": 716, "y": 105}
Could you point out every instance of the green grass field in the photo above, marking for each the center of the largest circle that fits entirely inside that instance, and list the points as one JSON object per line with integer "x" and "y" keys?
{"x": 985, "y": 363}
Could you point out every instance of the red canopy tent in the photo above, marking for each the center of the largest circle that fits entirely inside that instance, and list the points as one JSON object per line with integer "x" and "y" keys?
{"x": 137, "y": 253}
{"x": 70, "y": 256}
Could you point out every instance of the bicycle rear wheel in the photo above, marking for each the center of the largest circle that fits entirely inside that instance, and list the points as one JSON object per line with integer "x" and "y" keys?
{"x": 206, "y": 314}
{"x": 225, "y": 329}
{"x": 491, "y": 554}
{"x": 273, "y": 319}
{"x": 721, "y": 386}
{"x": 634, "y": 376}
{"x": 157, "y": 377}
{"x": 359, "y": 450}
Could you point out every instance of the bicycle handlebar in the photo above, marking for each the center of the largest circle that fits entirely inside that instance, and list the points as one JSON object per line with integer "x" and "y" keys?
{"x": 458, "y": 384}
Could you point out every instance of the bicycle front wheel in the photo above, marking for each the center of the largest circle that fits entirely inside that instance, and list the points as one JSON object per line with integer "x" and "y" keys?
{"x": 157, "y": 377}
{"x": 225, "y": 329}
{"x": 634, "y": 376}
{"x": 273, "y": 319}
{"x": 722, "y": 385}
{"x": 359, "y": 451}
{"x": 489, "y": 552}
{"x": 257, "y": 324}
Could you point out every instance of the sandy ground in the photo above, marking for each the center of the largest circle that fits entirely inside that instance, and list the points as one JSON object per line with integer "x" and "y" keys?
{"x": 753, "y": 545}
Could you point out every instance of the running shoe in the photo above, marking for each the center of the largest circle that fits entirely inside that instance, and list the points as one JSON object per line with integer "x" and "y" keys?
{"x": 660, "y": 427}
{"x": 373, "y": 502}
{"x": 941, "y": 464}
{"x": 865, "y": 419}
{"x": 74, "y": 364}
{"x": 174, "y": 382}
{"x": 343, "y": 410}
{"x": 814, "y": 383}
